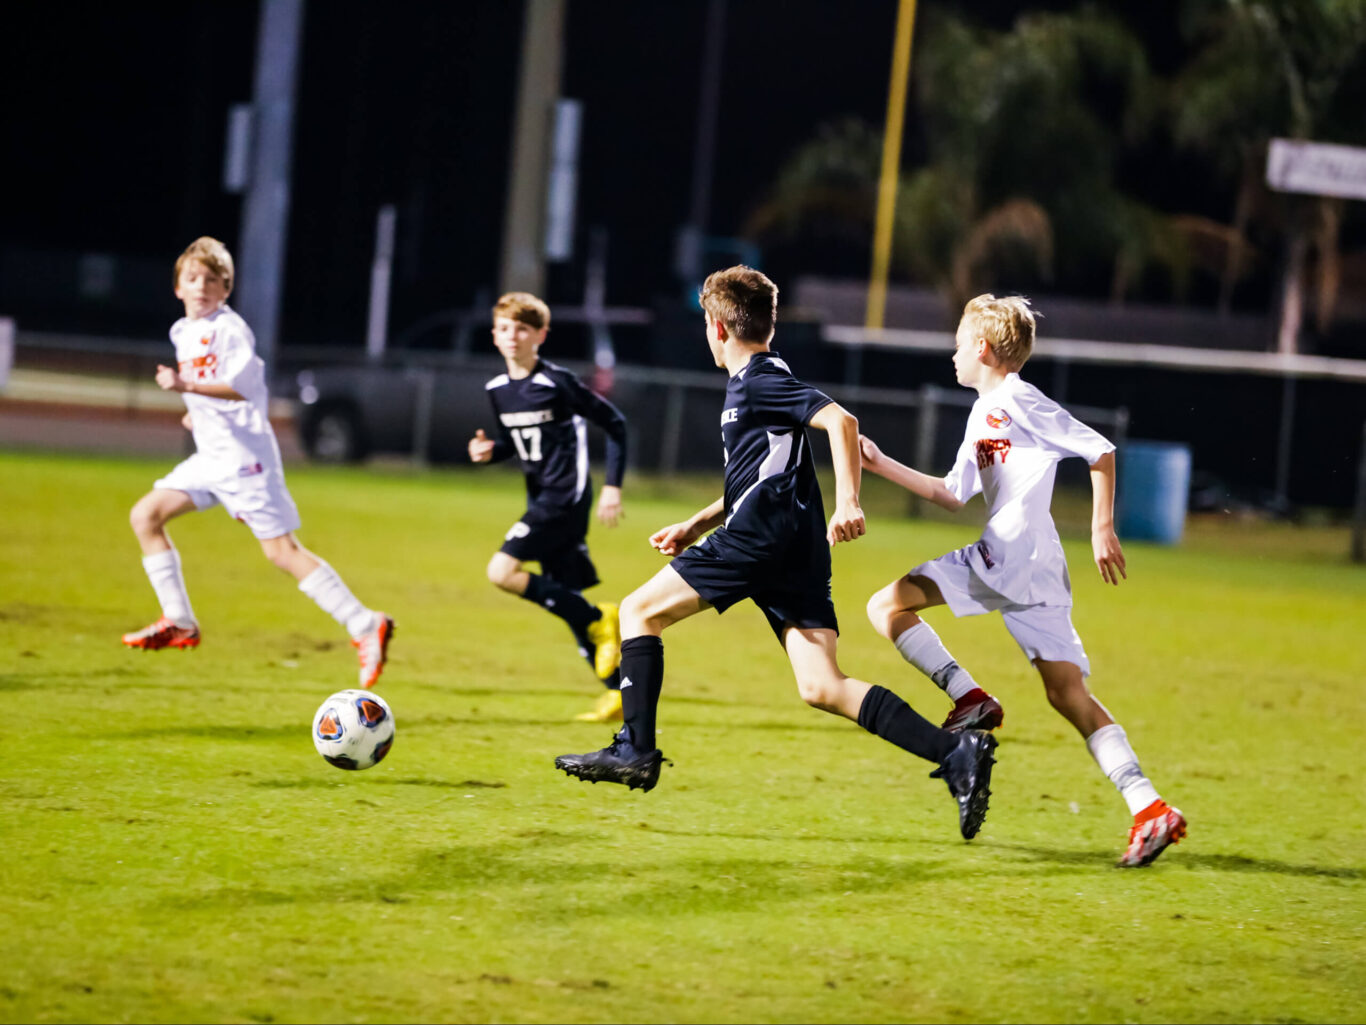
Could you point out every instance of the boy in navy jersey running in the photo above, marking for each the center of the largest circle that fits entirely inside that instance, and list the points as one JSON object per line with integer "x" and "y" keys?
{"x": 771, "y": 545}
{"x": 541, "y": 410}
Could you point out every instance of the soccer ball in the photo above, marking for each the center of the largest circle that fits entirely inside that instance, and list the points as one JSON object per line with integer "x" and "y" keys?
{"x": 353, "y": 729}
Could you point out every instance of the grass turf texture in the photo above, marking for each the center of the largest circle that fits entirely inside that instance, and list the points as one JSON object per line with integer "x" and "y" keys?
{"x": 175, "y": 850}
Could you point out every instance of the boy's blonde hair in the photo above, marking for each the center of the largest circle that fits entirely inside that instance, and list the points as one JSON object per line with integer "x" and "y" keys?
{"x": 1006, "y": 323}
{"x": 523, "y": 307}
{"x": 744, "y": 300}
{"x": 212, "y": 254}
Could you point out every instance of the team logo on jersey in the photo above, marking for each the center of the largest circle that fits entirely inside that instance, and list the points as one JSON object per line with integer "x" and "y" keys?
{"x": 201, "y": 368}
{"x": 730, "y": 416}
{"x": 998, "y": 418}
{"x": 207, "y": 339}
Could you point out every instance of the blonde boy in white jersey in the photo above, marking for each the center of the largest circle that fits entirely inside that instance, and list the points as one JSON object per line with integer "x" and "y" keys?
{"x": 1015, "y": 437}
{"x": 236, "y": 464}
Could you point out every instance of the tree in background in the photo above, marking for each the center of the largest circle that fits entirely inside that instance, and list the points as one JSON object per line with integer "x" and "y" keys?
{"x": 1022, "y": 131}
{"x": 1262, "y": 69}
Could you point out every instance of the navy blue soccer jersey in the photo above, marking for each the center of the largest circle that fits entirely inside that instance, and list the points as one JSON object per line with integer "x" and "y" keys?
{"x": 543, "y": 420}
{"x": 769, "y": 469}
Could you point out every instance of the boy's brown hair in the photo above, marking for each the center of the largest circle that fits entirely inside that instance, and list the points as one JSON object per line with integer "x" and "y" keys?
{"x": 1006, "y": 323}
{"x": 744, "y": 300}
{"x": 523, "y": 307}
{"x": 212, "y": 254}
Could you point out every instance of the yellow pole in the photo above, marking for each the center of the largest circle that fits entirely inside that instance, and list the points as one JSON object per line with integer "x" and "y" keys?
{"x": 891, "y": 165}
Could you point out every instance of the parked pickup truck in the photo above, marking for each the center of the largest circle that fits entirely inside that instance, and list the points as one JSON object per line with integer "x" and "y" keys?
{"x": 431, "y": 408}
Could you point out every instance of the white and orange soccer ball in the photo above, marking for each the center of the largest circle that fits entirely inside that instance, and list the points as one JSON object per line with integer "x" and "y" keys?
{"x": 353, "y": 729}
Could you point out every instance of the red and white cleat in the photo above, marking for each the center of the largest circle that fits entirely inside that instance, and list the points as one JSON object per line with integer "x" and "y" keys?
{"x": 163, "y": 634}
{"x": 975, "y": 710}
{"x": 1155, "y": 828}
{"x": 372, "y": 649}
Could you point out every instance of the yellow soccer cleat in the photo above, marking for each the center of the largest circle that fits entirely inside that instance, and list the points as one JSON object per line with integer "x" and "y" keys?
{"x": 608, "y": 709}
{"x": 605, "y": 635}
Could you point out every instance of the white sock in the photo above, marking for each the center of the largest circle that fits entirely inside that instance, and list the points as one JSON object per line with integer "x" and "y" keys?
{"x": 163, "y": 570}
{"x": 1110, "y": 748}
{"x": 922, "y": 648}
{"x": 326, "y": 588}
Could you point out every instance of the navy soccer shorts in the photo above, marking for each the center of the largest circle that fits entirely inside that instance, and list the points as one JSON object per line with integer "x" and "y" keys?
{"x": 792, "y": 588}
{"x": 556, "y": 538}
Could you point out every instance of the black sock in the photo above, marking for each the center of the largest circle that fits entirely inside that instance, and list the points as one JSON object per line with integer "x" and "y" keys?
{"x": 642, "y": 679}
{"x": 885, "y": 714}
{"x": 559, "y": 600}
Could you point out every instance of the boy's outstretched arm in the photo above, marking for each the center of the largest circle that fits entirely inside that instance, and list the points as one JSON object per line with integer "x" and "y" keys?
{"x": 847, "y": 522}
{"x": 931, "y": 489}
{"x": 1105, "y": 545}
{"x": 675, "y": 537}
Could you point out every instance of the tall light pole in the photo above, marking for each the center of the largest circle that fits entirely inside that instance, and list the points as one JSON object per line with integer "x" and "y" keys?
{"x": 692, "y": 237}
{"x": 265, "y": 213}
{"x": 891, "y": 165}
{"x": 538, "y": 86}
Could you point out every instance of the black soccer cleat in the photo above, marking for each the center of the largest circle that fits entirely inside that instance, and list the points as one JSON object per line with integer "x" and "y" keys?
{"x": 967, "y": 771}
{"x": 618, "y": 762}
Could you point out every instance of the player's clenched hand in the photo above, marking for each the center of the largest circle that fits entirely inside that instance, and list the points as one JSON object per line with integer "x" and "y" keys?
{"x": 846, "y": 524}
{"x": 673, "y": 539}
{"x": 609, "y": 505}
{"x": 1109, "y": 555}
{"x": 169, "y": 379}
{"x": 869, "y": 451}
{"x": 481, "y": 447}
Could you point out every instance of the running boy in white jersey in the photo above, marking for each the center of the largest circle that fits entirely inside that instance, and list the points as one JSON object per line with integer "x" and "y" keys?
{"x": 236, "y": 464}
{"x": 1015, "y": 437}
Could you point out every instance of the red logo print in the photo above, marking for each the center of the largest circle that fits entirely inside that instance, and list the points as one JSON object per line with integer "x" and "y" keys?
{"x": 987, "y": 449}
{"x": 998, "y": 418}
{"x": 201, "y": 368}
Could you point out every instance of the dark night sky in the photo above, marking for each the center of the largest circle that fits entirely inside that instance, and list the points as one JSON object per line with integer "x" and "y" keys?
{"x": 114, "y": 118}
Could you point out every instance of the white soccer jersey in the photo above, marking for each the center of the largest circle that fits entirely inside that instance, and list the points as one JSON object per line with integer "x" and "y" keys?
{"x": 1014, "y": 439}
{"x": 231, "y": 436}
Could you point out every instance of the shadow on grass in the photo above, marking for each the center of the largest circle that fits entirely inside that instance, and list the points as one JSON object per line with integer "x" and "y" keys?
{"x": 312, "y": 783}
{"x": 1191, "y": 862}
{"x": 1242, "y": 863}
{"x": 531, "y": 870}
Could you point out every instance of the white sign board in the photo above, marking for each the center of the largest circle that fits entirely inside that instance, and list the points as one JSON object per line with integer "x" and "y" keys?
{"x": 6, "y": 348}
{"x": 1318, "y": 168}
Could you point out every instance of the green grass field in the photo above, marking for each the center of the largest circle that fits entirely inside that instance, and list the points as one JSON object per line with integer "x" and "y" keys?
{"x": 175, "y": 850}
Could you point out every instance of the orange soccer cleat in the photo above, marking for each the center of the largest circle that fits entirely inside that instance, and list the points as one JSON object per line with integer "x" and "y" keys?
{"x": 372, "y": 649}
{"x": 163, "y": 634}
{"x": 1155, "y": 828}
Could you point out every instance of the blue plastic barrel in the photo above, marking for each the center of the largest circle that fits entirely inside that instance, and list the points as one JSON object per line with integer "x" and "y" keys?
{"x": 1154, "y": 483}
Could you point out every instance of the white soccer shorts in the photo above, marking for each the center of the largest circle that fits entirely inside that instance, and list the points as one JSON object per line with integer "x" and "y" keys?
{"x": 1042, "y": 631}
{"x": 256, "y": 496}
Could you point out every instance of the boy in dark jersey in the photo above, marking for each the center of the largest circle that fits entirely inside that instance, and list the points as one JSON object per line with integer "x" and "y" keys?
{"x": 541, "y": 410}
{"x": 771, "y": 545}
